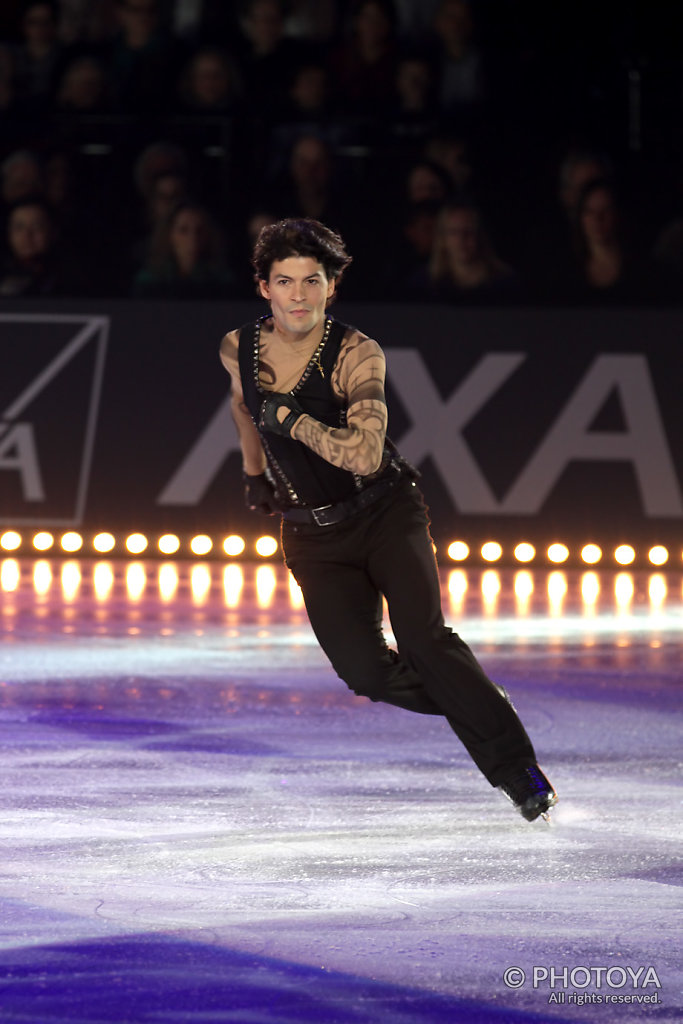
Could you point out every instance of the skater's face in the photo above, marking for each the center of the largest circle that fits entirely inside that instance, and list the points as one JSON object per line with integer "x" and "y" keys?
{"x": 298, "y": 290}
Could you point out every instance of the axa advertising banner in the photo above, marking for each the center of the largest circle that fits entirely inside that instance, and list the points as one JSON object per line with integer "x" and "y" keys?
{"x": 525, "y": 424}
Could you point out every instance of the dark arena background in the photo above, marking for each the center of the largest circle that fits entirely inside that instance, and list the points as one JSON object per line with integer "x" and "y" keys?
{"x": 200, "y": 822}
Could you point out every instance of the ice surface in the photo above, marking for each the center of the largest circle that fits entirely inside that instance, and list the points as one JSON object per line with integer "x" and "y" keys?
{"x": 201, "y": 824}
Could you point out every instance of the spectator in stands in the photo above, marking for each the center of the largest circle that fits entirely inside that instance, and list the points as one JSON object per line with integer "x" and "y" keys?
{"x": 311, "y": 186}
{"x": 21, "y": 174}
{"x": 602, "y": 265}
{"x": 268, "y": 57}
{"x": 414, "y": 112}
{"x": 406, "y": 259}
{"x": 87, "y": 22}
{"x": 451, "y": 152}
{"x": 577, "y": 169}
{"x": 142, "y": 60}
{"x": 311, "y": 20}
{"x": 547, "y": 228}
{"x": 186, "y": 258}
{"x": 82, "y": 89}
{"x": 459, "y": 60}
{"x": 427, "y": 181}
{"x": 464, "y": 265}
{"x": 364, "y": 65}
{"x": 35, "y": 265}
{"x": 34, "y": 61}
{"x": 415, "y": 18}
{"x": 210, "y": 83}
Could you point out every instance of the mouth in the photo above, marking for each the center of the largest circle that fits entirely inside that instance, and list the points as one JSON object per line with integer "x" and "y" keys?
{"x": 299, "y": 311}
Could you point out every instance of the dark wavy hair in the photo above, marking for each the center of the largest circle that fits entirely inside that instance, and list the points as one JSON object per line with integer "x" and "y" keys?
{"x": 299, "y": 237}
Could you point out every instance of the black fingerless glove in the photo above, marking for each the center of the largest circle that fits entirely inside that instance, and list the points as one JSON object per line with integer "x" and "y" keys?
{"x": 259, "y": 495}
{"x": 268, "y": 418}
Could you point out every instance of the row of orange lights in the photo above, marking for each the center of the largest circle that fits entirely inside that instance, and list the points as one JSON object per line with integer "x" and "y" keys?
{"x": 138, "y": 543}
{"x": 266, "y": 546}
{"x": 590, "y": 554}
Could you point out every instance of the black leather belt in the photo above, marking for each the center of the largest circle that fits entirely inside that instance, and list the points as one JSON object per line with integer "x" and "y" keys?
{"x": 330, "y": 515}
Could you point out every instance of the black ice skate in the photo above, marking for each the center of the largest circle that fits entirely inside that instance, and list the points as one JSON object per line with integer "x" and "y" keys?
{"x": 530, "y": 792}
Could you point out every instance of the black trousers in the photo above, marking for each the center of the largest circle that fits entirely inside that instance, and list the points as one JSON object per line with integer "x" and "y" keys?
{"x": 344, "y": 570}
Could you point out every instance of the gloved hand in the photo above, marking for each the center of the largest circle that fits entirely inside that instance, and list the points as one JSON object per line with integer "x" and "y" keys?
{"x": 259, "y": 495}
{"x": 268, "y": 418}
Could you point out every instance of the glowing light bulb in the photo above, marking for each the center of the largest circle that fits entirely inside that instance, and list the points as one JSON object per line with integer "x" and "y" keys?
{"x": 201, "y": 544}
{"x": 43, "y": 541}
{"x": 266, "y": 546}
{"x": 168, "y": 544}
{"x": 136, "y": 543}
{"x": 624, "y": 554}
{"x": 234, "y": 545}
{"x": 658, "y": 555}
{"x": 104, "y": 542}
{"x": 458, "y": 551}
{"x": 491, "y": 551}
{"x": 558, "y": 553}
{"x": 591, "y": 553}
{"x": 525, "y": 552}
{"x": 10, "y": 540}
{"x": 71, "y": 541}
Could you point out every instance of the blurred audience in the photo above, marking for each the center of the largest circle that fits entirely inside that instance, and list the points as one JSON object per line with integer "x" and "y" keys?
{"x": 186, "y": 258}
{"x": 364, "y": 65}
{"x": 603, "y": 264}
{"x": 377, "y": 115}
{"x": 34, "y": 263}
{"x": 463, "y": 265}
{"x": 209, "y": 83}
{"x": 32, "y": 63}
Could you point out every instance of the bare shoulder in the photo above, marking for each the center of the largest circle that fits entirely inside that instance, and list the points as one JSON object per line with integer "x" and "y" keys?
{"x": 358, "y": 349}
{"x": 355, "y": 339}
{"x": 360, "y": 362}
{"x": 229, "y": 351}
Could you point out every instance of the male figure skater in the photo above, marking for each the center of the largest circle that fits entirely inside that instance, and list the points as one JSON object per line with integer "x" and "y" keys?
{"x": 308, "y": 401}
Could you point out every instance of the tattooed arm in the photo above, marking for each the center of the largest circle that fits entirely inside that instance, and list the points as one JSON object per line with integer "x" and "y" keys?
{"x": 359, "y": 379}
{"x": 253, "y": 456}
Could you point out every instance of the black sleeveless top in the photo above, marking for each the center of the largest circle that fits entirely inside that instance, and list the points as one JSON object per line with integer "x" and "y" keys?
{"x": 301, "y": 477}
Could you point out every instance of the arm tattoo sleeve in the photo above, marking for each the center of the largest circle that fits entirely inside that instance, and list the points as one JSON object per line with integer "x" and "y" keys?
{"x": 358, "y": 446}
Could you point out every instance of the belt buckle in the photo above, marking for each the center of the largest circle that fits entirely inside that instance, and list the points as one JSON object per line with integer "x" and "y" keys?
{"x": 315, "y": 514}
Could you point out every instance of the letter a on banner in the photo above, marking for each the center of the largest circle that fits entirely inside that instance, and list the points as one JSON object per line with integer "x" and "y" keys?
{"x": 643, "y": 443}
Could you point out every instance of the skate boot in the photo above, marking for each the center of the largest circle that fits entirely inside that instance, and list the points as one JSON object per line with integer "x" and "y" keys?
{"x": 530, "y": 792}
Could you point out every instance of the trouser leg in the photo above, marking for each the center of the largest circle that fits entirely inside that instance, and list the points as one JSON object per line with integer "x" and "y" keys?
{"x": 345, "y": 612}
{"x": 343, "y": 571}
{"x": 483, "y": 719}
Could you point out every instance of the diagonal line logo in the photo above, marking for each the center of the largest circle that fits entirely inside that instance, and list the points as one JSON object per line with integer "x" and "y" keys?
{"x": 47, "y": 429}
